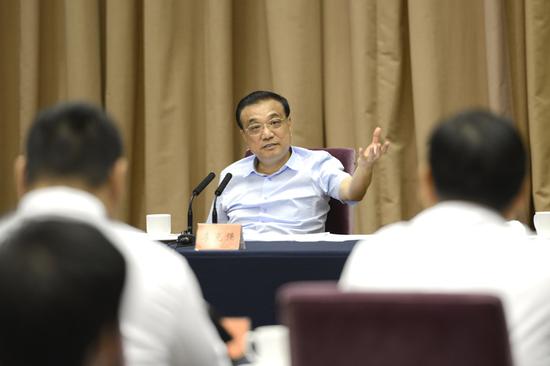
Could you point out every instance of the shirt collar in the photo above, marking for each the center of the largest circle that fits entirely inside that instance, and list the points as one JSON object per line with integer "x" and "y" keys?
{"x": 468, "y": 212}
{"x": 61, "y": 200}
{"x": 294, "y": 163}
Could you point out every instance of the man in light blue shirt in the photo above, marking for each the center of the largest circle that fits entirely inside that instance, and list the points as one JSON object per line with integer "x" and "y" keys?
{"x": 283, "y": 188}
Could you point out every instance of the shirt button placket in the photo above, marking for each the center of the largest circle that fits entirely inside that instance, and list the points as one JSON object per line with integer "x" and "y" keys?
{"x": 265, "y": 188}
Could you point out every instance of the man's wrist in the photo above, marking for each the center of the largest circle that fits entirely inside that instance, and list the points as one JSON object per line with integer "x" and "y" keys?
{"x": 364, "y": 164}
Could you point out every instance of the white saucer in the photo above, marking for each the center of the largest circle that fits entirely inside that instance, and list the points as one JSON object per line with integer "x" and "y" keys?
{"x": 164, "y": 237}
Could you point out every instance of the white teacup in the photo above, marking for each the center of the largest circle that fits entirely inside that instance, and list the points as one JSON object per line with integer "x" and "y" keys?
{"x": 159, "y": 224}
{"x": 542, "y": 223}
{"x": 271, "y": 345}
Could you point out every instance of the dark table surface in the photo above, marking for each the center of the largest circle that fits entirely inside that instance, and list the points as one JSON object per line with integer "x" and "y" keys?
{"x": 245, "y": 282}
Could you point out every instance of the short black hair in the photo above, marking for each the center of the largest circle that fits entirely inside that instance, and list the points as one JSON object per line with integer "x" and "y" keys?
{"x": 72, "y": 140}
{"x": 479, "y": 157}
{"x": 60, "y": 287}
{"x": 257, "y": 96}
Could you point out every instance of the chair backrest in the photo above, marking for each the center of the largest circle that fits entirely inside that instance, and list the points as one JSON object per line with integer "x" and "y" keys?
{"x": 331, "y": 327}
{"x": 339, "y": 217}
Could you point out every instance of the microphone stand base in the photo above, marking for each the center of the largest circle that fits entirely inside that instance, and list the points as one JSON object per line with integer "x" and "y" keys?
{"x": 185, "y": 239}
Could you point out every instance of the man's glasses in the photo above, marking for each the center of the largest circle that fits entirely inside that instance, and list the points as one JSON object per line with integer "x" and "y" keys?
{"x": 254, "y": 129}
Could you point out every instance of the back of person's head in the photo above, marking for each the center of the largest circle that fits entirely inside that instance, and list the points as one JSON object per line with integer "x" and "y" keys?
{"x": 74, "y": 141}
{"x": 259, "y": 96}
{"x": 478, "y": 157}
{"x": 60, "y": 288}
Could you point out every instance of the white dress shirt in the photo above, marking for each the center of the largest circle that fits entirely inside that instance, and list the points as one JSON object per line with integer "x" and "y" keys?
{"x": 293, "y": 200}
{"x": 164, "y": 320}
{"x": 461, "y": 247}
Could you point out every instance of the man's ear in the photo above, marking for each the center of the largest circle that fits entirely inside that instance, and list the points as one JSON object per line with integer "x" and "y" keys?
{"x": 289, "y": 121}
{"x": 243, "y": 136}
{"x": 428, "y": 194}
{"x": 518, "y": 203}
{"x": 19, "y": 168}
{"x": 117, "y": 181}
{"x": 107, "y": 350}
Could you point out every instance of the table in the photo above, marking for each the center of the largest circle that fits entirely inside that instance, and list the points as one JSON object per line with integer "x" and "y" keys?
{"x": 244, "y": 282}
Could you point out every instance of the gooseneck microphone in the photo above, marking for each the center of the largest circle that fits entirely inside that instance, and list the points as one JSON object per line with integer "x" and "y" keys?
{"x": 198, "y": 189}
{"x": 217, "y": 193}
{"x": 202, "y": 185}
{"x": 187, "y": 237}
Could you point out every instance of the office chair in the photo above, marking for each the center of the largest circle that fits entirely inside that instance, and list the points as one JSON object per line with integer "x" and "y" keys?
{"x": 330, "y": 327}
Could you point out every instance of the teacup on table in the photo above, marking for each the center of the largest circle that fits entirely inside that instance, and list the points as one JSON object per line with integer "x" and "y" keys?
{"x": 542, "y": 223}
{"x": 270, "y": 346}
{"x": 158, "y": 224}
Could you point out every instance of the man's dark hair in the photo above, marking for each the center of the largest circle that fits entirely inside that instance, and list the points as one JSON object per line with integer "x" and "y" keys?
{"x": 478, "y": 157}
{"x": 257, "y": 96}
{"x": 72, "y": 140}
{"x": 60, "y": 287}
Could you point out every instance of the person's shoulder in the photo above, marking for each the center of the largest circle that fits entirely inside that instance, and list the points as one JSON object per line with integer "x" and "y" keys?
{"x": 377, "y": 253}
{"x": 395, "y": 229}
{"x": 401, "y": 238}
{"x": 390, "y": 235}
{"x": 137, "y": 240}
{"x": 314, "y": 158}
{"x": 7, "y": 220}
{"x": 7, "y": 223}
{"x": 519, "y": 228}
{"x": 145, "y": 253}
{"x": 310, "y": 153}
{"x": 241, "y": 166}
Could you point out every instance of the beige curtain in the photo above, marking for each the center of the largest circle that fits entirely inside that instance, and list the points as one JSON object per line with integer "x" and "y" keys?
{"x": 171, "y": 72}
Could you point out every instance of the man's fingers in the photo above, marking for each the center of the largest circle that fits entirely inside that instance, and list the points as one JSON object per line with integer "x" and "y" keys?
{"x": 370, "y": 151}
{"x": 375, "y": 150}
{"x": 376, "y": 135}
{"x": 385, "y": 147}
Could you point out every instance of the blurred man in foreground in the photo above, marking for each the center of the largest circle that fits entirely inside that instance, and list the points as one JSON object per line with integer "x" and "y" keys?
{"x": 73, "y": 167}
{"x": 282, "y": 188}
{"x": 477, "y": 166}
{"x": 60, "y": 287}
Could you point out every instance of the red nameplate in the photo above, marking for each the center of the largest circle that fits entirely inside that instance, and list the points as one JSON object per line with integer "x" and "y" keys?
{"x": 219, "y": 236}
